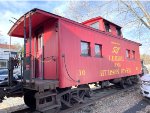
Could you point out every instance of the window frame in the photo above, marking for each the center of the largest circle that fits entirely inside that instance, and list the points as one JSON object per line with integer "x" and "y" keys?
{"x": 118, "y": 30}
{"x": 133, "y": 54}
{"x": 108, "y": 25}
{"x": 128, "y": 52}
{"x": 40, "y": 41}
{"x": 100, "y": 49}
{"x": 3, "y": 64}
{"x": 89, "y": 48}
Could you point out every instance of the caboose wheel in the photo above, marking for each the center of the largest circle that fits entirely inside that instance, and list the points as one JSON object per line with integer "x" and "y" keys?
{"x": 135, "y": 79}
{"x": 66, "y": 101}
{"x": 29, "y": 99}
{"x": 122, "y": 84}
{"x": 128, "y": 81}
{"x": 88, "y": 92}
{"x": 81, "y": 94}
{"x": 65, "y": 98}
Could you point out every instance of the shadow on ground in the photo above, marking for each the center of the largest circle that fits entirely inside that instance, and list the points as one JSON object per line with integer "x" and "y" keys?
{"x": 139, "y": 106}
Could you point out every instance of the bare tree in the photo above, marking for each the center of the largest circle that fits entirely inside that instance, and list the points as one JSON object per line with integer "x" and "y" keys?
{"x": 145, "y": 19}
{"x": 18, "y": 46}
{"x": 82, "y": 10}
{"x": 133, "y": 16}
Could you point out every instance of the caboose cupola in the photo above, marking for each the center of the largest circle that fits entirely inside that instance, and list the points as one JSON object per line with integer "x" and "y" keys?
{"x": 102, "y": 24}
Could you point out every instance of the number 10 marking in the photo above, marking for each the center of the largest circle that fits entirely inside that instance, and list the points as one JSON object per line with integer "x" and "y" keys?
{"x": 81, "y": 72}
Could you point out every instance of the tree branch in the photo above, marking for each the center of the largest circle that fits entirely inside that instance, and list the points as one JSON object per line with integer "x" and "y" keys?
{"x": 144, "y": 11}
{"x": 134, "y": 13}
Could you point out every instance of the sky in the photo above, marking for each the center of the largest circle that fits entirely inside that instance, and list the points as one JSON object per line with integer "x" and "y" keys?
{"x": 15, "y": 9}
{"x": 11, "y": 9}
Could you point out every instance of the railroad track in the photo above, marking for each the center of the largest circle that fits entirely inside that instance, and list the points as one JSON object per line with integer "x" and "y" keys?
{"x": 97, "y": 95}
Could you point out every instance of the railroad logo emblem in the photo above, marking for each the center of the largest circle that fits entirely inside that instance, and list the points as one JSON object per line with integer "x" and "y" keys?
{"x": 116, "y": 50}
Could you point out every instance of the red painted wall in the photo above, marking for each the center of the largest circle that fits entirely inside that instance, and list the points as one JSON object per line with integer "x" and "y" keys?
{"x": 92, "y": 69}
{"x": 65, "y": 46}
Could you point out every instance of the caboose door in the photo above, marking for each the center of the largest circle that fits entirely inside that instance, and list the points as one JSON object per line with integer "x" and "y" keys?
{"x": 50, "y": 51}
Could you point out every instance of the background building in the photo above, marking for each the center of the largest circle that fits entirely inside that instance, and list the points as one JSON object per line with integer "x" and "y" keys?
{"x": 6, "y": 51}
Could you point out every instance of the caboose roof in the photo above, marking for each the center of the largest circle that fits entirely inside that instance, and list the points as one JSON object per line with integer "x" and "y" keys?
{"x": 39, "y": 16}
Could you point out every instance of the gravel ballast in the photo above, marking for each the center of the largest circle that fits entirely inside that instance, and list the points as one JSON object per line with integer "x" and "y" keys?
{"x": 118, "y": 103}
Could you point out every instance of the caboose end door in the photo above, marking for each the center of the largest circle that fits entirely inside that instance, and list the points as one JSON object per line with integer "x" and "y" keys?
{"x": 46, "y": 51}
{"x": 50, "y": 41}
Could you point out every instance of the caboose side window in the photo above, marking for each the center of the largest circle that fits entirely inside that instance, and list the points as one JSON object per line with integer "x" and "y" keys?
{"x": 133, "y": 54}
{"x": 85, "y": 48}
{"x": 107, "y": 27}
{"x": 127, "y": 53}
{"x": 118, "y": 30}
{"x": 98, "y": 50}
{"x": 40, "y": 41}
{"x": 95, "y": 25}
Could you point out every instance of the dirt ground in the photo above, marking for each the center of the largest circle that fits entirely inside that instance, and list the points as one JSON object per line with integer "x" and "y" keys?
{"x": 12, "y": 104}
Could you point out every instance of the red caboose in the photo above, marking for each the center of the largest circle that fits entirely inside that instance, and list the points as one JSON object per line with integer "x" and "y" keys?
{"x": 60, "y": 53}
